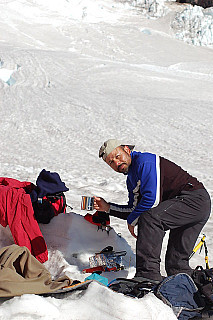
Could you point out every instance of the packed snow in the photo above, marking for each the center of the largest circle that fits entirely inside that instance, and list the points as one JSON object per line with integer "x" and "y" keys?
{"x": 74, "y": 74}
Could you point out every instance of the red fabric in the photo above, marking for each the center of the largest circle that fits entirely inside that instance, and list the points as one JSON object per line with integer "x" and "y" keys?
{"x": 58, "y": 205}
{"x": 16, "y": 211}
{"x": 89, "y": 217}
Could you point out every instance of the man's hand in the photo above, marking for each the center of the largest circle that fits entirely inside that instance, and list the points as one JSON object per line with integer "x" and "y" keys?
{"x": 131, "y": 230}
{"x": 100, "y": 204}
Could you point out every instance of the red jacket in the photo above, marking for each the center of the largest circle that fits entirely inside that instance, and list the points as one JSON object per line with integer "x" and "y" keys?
{"x": 16, "y": 211}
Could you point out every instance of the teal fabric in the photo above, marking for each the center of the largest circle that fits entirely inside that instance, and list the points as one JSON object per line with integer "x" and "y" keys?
{"x": 98, "y": 277}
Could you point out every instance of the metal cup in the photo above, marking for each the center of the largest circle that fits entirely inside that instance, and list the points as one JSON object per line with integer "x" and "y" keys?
{"x": 87, "y": 203}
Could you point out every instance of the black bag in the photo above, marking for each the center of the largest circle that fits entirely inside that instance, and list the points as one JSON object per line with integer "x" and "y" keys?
{"x": 49, "y": 206}
{"x": 48, "y": 197}
{"x": 131, "y": 287}
{"x": 203, "y": 279}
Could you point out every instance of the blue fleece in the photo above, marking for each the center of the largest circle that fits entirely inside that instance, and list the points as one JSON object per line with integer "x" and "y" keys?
{"x": 143, "y": 183}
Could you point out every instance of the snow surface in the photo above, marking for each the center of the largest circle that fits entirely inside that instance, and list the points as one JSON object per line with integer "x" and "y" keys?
{"x": 76, "y": 73}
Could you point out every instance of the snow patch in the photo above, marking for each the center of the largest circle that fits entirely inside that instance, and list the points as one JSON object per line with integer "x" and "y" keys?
{"x": 6, "y": 74}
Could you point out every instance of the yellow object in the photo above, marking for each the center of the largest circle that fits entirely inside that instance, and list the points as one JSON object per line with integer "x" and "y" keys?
{"x": 199, "y": 245}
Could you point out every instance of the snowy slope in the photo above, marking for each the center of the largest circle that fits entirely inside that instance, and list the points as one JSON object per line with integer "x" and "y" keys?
{"x": 73, "y": 74}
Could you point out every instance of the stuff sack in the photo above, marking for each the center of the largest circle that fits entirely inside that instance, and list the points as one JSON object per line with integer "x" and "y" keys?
{"x": 182, "y": 295}
{"x": 48, "y": 198}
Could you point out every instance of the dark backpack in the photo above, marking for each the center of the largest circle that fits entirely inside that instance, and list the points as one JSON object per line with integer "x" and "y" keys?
{"x": 48, "y": 197}
{"x": 203, "y": 279}
{"x": 49, "y": 206}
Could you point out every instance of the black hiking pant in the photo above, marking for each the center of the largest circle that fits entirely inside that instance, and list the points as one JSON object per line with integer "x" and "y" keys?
{"x": 184, "y": 216}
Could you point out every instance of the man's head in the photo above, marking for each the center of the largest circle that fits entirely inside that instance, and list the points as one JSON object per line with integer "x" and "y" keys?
{"x": 116, "y": 155}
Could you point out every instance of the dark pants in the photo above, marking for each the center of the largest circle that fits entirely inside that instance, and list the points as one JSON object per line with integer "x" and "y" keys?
{"x": 184, "y": 216}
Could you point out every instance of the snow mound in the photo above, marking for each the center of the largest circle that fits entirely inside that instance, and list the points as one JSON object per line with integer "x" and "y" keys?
{"x": 194, "y": 25}
{"x": 96, "y": 302}
{"x": 75, "y": 240}
{"x": 71, "y": 240}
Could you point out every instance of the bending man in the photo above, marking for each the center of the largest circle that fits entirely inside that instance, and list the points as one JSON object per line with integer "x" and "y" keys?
{"x": 162, "y": 196}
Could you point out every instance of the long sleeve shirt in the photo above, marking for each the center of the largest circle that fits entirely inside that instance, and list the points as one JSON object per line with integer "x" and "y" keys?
{"x": 151, "y": 179}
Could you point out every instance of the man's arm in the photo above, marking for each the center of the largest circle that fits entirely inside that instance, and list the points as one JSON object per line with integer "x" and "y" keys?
{"x": 115, "y": 210}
